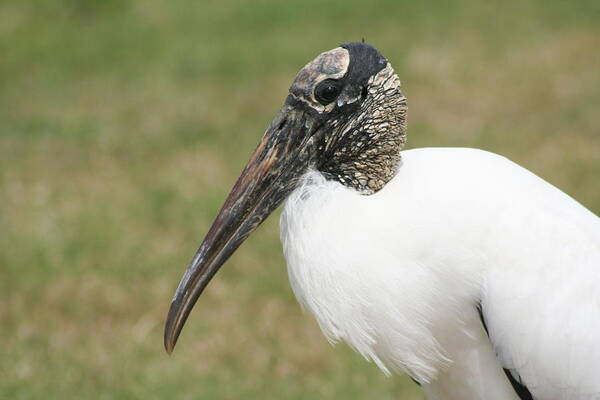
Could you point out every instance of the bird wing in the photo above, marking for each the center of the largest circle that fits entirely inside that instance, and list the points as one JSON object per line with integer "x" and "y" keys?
{"x": 541, "y": 249}
{"x": 541, "y": 302}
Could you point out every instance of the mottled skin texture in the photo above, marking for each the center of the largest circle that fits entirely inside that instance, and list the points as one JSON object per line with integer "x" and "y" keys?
{"x": 364, "y": 128}
{"x": 365, "y": 153}
{"x": 329, "y": 65}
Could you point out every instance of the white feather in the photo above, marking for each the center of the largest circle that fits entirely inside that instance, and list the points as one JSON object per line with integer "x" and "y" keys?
{"x": 398, "y": 274}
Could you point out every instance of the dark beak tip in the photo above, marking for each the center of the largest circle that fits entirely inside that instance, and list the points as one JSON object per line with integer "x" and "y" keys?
{"x": 169, "y": 344}
{"x": 171, "y": 333}
{"x": 258, "y": 191}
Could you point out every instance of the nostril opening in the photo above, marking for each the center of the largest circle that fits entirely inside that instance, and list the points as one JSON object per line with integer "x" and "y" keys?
{"x": 282, "y": 124}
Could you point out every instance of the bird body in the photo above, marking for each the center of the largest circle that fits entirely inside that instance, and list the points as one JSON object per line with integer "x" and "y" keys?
{"x": 399, "y": 275}
{"x": 456, "y": 266}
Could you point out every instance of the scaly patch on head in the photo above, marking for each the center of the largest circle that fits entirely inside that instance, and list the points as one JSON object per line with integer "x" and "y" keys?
{"x": 332, "y": 64}
{"x": 354, "y": 96}
{"x": 364, "y": 151}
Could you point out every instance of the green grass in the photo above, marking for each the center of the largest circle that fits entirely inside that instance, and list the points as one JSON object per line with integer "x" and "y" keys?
{"x": 123, "y": 125}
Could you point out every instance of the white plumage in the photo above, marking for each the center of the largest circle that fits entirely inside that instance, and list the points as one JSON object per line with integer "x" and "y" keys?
{"x": 399, "y": 275}
{"x": 457, "y": 266}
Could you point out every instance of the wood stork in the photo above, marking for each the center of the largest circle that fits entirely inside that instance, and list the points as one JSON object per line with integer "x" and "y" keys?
{"x": 469, "y": 273}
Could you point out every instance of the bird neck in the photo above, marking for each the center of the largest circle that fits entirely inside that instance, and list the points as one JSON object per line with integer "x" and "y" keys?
{"x": 366, "y": 155}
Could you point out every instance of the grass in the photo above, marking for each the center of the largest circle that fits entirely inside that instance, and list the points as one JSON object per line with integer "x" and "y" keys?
{"x": 124, "y": 123}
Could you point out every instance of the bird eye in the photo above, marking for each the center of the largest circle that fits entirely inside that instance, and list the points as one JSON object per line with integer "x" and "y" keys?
{"x": 327, "y": 91}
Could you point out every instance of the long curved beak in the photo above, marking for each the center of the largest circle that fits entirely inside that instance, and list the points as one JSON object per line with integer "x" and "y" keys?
{"x": 271, "y": 174}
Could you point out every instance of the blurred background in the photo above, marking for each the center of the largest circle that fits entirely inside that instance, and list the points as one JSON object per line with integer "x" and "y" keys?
{"x": 123, "y": 124}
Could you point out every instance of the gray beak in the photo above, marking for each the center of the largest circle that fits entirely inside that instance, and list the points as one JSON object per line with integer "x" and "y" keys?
{"x": 281, "y": 157}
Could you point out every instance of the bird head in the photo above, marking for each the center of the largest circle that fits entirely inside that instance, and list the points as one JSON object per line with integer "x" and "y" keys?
{"x": 344, "y": 116}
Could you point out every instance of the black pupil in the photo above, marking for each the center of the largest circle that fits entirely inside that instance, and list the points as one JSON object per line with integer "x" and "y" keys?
{"x": 327, "y": 92}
